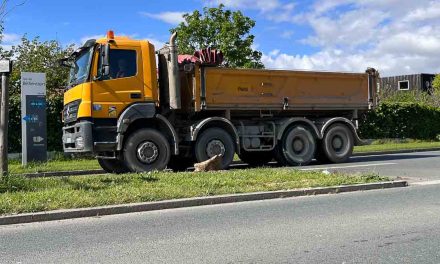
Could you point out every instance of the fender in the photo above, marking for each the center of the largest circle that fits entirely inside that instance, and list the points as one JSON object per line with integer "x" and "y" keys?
{"x": 173, "y": 132}
{"x": 143, "y": 111}
{"x": 196, "y": 128}
{"x": 286, "y": 123}
{"x": 133, "y": 113}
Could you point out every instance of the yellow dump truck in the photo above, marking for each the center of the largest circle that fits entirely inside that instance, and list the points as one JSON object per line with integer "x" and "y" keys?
{"x": 137, "y": 109}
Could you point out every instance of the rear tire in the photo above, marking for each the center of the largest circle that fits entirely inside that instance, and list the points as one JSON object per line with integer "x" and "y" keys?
{"x": 337, "y": 144}
{"x": 299, "y": 146}
{"x": 255, "y": 159}
{"x": 146, "y": 150}
{"x": 215, "y": 141}
{"x": 115, "y": 166}
{"x": 278, "y": 155}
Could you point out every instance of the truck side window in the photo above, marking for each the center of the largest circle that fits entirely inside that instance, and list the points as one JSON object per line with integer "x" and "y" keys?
{"x": 122, "y": 63}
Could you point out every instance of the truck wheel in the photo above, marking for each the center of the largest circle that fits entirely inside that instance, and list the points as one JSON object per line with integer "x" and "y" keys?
{"x": 113, "y": 166}
{"x": 298, "y": 146}
{"x": 215, "y": 141}
{"x": 337, "y": 144}
{"x": 146, "y": 150}
{"x": 255, "y": 159}
{"x": 178, "y": 163}
{"x": 278, "y": 154}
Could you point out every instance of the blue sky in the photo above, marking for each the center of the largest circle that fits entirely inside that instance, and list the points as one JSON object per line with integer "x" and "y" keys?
{"x": 396, "y": 36}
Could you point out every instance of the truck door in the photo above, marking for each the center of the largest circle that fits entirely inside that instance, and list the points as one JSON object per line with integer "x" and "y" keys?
{"x": 122, "y": 87}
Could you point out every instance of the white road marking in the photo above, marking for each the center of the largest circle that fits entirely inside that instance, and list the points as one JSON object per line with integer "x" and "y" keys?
{"x": 349, "y": 166}
{"x": 426, "y": 183}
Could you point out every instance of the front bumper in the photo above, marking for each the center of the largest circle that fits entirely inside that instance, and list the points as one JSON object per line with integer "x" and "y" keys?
{"x": 78, "y": 138}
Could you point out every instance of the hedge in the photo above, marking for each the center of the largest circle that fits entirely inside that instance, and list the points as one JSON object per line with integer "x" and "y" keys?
{"x": 402, "y": 120}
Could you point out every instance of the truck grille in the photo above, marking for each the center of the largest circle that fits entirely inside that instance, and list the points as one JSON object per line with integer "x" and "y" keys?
{"x": 70, "y": 111}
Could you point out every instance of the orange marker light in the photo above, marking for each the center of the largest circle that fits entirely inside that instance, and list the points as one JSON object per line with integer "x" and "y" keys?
{"x": 110, "y": 34}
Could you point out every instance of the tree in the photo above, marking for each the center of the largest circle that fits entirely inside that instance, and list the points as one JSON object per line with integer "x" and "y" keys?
{"x": 36, "y": 56}
{"x": 436, "y": 84}
{"x": 220, "y": 29}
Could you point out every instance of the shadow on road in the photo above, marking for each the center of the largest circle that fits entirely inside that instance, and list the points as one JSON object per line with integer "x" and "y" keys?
{"x": 240, "y": 165}
{"x": 392, "y": 157}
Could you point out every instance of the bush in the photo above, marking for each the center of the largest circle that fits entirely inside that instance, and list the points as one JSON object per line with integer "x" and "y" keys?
{"x": 402, "y": 120}
{"x": 436, "y": 84}
{"x": 36, "y": 56}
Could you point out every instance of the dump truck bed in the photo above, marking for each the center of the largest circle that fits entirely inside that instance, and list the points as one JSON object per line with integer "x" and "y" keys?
{"x": 233, "y": 89}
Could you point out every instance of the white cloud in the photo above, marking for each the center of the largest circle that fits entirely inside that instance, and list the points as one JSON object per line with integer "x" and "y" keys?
{"x": 287, "y": 34}
{"x": 395, "y": 36}
{"x": 425, "y": 13}
{"x": 331, "y": 60}
{"x": 157, "y": 43}
{"x": 262, "y": 5}
{"x": 172, "y": 18}
{"x": 11, "y": 38}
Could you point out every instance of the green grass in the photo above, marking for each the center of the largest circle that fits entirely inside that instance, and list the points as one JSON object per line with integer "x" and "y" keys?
{"x": 15, "y": 166}
{"x": 91, "y": 164}
{"x": 390, "y": 145}
{"x": 21, "y": 195}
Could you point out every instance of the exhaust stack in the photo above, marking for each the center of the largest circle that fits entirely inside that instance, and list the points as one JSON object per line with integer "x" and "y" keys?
{"x": 173, "y": 74}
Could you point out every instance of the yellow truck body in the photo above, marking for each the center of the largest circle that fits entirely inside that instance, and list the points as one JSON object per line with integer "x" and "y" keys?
{"x": 271, "y": 89}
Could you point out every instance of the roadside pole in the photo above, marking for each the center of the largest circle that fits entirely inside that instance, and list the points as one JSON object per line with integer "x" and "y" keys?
{"x": 5, "y": 69}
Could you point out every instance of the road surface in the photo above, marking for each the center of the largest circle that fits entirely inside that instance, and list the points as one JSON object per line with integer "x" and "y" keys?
{"x": 418, "y": 166}
{"x": 383, "y": 226}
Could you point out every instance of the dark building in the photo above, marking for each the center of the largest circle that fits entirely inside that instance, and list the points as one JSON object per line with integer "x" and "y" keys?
{"x": 420, "y": 82}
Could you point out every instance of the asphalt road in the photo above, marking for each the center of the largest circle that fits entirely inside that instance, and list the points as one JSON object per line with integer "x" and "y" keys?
{"x": 383, "y": 226}
{"x": 418, "y": 166}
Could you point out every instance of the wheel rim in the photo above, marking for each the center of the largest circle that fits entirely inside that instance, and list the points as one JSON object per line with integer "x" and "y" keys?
{"x": 215, "y": 147}
{"x": 147, "y": 152}
{"x": 339, "y": 143}
{"x": 298, "y": 145}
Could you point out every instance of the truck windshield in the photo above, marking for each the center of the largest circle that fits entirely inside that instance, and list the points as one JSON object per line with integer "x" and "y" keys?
{"x": 80, "y": 67}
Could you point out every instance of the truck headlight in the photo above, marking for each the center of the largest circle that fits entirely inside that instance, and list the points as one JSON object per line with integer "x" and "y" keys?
{"x": 79, "y": 142}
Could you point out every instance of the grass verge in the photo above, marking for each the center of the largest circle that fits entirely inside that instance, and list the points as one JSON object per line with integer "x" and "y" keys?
{"x": 15, "y": 166}
{"x": 21, "y": 195}
{"x": 394, "y": 145}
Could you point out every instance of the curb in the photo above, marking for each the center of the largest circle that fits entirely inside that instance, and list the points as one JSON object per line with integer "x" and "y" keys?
{"x": 191, "y": 202}
{"x": 360, "y": 154}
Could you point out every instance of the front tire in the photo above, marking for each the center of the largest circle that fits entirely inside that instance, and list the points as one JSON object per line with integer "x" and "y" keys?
{"x": 215, "y": 141}
{"x": 115, "y": 166}
{"x": 146, "y": 150}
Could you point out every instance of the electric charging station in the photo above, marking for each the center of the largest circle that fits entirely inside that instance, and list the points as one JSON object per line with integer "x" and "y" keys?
{"x": 33, "y": 117}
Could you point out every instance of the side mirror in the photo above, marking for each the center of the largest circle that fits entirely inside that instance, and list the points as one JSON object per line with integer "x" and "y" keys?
{"x": 64, "y": 63}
